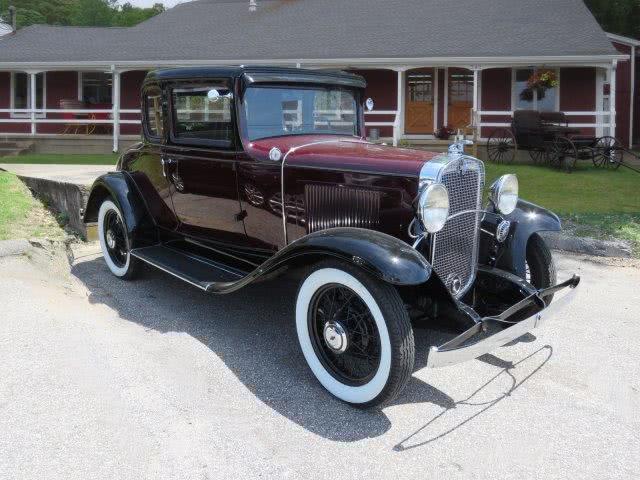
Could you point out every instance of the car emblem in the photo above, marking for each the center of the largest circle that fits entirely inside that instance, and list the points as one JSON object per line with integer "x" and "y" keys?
{"x": 463, "y": 168}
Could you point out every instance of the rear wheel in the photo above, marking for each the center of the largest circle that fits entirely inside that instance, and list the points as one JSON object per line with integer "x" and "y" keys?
{"x": 607, "y": 153}
{"x": 114, "y": 241}
{"x": 541, "y": 269}
{"x": 564, "y": 154}
{"x": 355, "y": 334}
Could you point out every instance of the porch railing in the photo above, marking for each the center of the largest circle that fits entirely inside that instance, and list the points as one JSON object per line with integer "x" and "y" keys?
{"x": 395, "y": 124}
{"x": 38, "y": 116}
{"x": 603, "y": 119}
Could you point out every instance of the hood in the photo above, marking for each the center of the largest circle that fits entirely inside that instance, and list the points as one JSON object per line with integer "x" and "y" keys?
{"x": 343, "y": 153}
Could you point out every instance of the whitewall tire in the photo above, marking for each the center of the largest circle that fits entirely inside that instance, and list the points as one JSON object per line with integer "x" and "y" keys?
{"x": 114, "y": 241}
{"x": 355, "y": 334}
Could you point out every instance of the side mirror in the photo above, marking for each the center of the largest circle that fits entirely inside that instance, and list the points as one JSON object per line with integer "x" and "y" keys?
{"x": 369, "y": 104}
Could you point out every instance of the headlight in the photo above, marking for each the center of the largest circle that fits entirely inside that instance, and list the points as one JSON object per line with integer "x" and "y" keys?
{"x": 504, "y": 194}
{"x": 433, "y": 207}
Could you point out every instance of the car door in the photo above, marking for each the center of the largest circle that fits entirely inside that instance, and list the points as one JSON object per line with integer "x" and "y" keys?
{"x": 144, "y": 164}
{"x": 200, "y": 161}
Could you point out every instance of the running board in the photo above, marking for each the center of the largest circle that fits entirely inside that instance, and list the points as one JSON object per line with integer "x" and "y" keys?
{"x": 200, "y": 272}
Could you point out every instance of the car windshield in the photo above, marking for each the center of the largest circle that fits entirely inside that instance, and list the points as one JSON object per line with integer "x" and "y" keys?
{"x": 278, "y": 111}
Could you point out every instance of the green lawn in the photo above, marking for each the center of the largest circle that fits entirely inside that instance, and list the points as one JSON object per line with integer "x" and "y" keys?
{"x": 592, "y": 202}
{"x": 21, "y": 215}
{"x": 587, "y": 190}
{"x": 42, "y": 159}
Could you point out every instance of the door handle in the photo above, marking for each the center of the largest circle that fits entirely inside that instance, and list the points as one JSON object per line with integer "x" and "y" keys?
{"x": 166, "y": 162}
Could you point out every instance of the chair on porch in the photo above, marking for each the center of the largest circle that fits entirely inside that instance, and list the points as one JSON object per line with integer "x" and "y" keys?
{"x": 72, "y": 104}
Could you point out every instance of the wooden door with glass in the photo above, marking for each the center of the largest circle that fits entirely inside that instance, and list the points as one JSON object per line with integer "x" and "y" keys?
{"x": 460, "y": 98}
{"x": 419, "y": 103}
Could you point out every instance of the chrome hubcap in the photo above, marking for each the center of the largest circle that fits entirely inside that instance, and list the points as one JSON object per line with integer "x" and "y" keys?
{"x": 111, "y": 239}
{"x": 335, "y": 337}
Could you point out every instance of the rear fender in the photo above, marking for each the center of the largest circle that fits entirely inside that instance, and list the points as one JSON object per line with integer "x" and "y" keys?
{"x": 526, "y": 220}
{"x": 121, "y": 189}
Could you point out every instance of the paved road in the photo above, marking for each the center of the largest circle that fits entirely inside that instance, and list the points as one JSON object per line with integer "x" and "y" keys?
{"x": 153, "y": 379}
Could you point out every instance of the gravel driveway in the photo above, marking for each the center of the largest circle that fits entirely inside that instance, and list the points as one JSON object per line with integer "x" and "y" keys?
{"x": 154, "y": 379}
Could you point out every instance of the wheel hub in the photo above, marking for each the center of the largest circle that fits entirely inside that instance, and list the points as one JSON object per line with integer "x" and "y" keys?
{"x": 111, "y": 239}
{"x": 335, "y": 336}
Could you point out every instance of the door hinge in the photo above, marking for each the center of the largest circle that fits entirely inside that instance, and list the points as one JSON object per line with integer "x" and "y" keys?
{"x": 241, "y": 216}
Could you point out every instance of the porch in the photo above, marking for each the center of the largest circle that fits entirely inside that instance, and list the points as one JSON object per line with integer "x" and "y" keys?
{"x": 97, "y": 111}
{"x": 411, "y": 104}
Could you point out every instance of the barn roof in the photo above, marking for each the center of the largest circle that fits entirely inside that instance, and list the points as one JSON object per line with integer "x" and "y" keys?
{"x": 356, "y": 31}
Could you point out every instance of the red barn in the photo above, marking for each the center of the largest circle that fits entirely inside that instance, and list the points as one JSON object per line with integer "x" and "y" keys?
{"x": 428, "y": 63}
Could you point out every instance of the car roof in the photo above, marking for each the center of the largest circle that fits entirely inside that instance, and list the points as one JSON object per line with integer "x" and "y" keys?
{"x": 258, "y": 73}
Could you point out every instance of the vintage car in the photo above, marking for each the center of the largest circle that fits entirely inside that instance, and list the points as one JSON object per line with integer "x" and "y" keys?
{"x": 246, "y": 173}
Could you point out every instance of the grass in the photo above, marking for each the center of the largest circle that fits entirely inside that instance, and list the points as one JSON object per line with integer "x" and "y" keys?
{"x": 587, "y": 190}
{"x": 21, "y": 215}
{"x": 53, "y": 159}
{"x": 592, "y": 202}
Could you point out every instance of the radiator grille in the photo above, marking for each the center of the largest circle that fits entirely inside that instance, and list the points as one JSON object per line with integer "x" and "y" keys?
{"x": 455, "y": 247}
{"x": 330, "y": 206}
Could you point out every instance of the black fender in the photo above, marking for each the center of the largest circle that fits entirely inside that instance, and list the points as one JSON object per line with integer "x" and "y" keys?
{"x": 526, "y": 220}
{"x": 383, "y": 256}
{"x": 124, "y": 193}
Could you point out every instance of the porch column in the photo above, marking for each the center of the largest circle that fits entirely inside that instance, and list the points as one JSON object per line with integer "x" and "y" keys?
{"x": 32, "y": 101}
{"x": 115, "y": 97}
{"x": 398, "y": 121}
{"x": 476, "y": 89}
{"x": 612, "y": 99}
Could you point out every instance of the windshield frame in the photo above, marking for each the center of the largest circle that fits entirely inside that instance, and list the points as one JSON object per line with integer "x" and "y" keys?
{"x": 356, "y": 92}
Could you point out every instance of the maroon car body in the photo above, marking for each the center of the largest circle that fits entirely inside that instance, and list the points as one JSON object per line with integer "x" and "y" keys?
{"x": 249, "y": 171}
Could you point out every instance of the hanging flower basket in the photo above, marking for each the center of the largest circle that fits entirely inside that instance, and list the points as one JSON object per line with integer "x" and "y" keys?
{"x": 540, "y": 81}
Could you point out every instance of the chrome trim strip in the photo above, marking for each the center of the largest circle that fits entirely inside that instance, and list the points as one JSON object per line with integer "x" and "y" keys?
{"x": 205, "y": 261}
{"x": 450, "y": 354}
{"x": 284, "y": 160}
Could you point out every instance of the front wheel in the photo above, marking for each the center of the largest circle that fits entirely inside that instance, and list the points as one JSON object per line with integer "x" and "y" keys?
{"x": 355, "y": 334}
{"x": 114, "y": 241}
{"x": 540, "y": 267}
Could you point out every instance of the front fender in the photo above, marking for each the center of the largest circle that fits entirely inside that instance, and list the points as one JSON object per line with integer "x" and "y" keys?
{"x": 526, "y": 220}
{"x": 122, "y": 190}
{"x": 382, "y": 255}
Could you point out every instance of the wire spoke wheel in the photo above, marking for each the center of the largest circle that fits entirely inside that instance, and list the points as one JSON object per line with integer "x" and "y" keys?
{"x": 344, "y": 334}
{"x": 564, "y": 154}
{"x": 116, "y": 239}
{"x": 538, "y": 155}
{"x": 607, "y": 153}
{"x": 501, "y": 146}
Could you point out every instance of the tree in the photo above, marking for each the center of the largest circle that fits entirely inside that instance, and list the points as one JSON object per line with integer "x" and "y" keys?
{"x": 617, "y": 16}
{"x": 78, "y": 12}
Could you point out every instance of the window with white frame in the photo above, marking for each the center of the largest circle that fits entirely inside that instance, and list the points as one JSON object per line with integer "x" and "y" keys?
{"x": 96, "y": 88}
{"x": 21, "y": 94}
{"x": 540, "y": 99}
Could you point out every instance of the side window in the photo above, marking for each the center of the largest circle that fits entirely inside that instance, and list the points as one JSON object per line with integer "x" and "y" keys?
{"x": 153, "y": 113}
{"x": 202, "y": 115}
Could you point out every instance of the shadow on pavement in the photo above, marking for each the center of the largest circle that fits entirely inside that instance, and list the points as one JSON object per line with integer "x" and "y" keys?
{"x": 253, "y": 332}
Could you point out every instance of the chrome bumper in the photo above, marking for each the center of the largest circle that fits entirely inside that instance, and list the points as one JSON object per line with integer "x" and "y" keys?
{"x": 463, "y": 348}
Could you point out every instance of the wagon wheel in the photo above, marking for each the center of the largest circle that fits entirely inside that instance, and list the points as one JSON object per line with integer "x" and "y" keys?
{"x": 564, "y": 154}
{"x": 538, "y": 155}
{"x": 607, "y": 153}
{"x": 501, "y": 146}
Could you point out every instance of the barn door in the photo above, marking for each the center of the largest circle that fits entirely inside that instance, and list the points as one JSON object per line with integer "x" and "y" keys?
{"x": 419, "y": 107}
{"x": 460, "y": 97}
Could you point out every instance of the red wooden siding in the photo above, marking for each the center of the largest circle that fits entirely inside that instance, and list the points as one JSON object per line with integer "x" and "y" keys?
{"x": 130, "y": 85}
{"x": 495, "y": 96}
{"x": 5, "y": 102}
{"x": 382, "y": 87}
{"x": 441, "y": 83}
{"x": 578, "y": 93}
